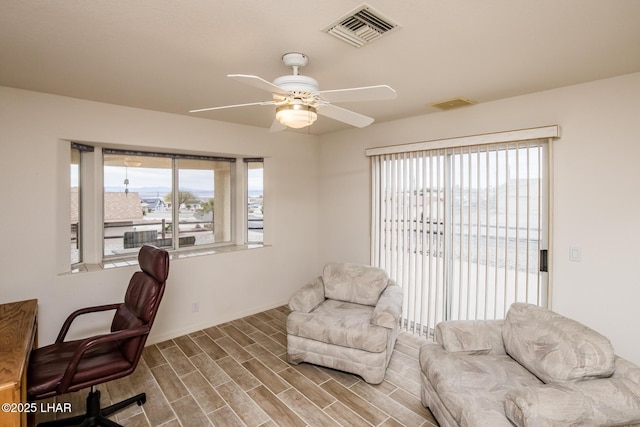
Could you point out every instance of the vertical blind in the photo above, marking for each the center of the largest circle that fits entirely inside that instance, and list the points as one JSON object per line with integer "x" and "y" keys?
{"x": 462, "y": 229}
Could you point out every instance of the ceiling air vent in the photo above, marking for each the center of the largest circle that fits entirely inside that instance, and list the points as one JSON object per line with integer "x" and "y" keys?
{"x": 361, "y": 26}
{"x": 453, "y": 103}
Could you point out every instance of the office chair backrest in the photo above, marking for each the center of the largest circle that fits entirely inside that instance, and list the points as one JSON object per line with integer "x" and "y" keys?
{"x": 142, "y": 299}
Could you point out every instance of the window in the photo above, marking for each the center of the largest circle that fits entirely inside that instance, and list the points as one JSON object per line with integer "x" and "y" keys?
{"x": 463, "y": 229}
{"x": 76, "y": 253}
{"x": 255, "y": 200}
{"x": 141, "y": 205}
{"x": 204, "y": 219}
{"x": 123, "y": 199}
{"x": 76, "y": 226}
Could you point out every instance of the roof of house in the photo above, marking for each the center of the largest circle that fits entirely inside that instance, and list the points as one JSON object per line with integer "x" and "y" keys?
{"x": 118, "y": 206}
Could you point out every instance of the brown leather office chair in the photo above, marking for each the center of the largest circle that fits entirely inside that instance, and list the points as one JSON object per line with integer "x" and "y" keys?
{"x": 67, "y": 366}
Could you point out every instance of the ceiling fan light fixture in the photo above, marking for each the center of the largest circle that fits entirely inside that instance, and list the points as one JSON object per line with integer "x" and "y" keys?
{"x": 296, "y": 116}
{"x": 297, "y": 98}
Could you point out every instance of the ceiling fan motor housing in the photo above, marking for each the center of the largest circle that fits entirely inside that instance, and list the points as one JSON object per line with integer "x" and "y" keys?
{"x": 303, "y": 84}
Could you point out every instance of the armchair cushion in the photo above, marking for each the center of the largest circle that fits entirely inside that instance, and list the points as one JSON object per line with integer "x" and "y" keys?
{"x": 599, "y": 402}
{"x": 354, "y": 283}
{"x": 340, "y": 323}
{"x": 555, "y": 348}
{"x": 308, "y": 297}
{"x": 472, "y": 386}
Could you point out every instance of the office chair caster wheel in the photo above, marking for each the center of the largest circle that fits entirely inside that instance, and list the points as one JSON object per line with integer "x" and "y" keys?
{"x": 142, "y": 400}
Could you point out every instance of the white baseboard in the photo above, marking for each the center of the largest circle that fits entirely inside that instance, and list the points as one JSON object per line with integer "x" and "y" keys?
{"x": 157, "y": 338}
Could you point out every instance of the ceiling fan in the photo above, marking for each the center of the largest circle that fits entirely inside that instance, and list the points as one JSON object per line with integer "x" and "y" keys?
{"x": 298, "y": 101}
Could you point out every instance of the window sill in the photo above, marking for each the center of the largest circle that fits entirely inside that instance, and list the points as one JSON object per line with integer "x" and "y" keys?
{"x": 175, "y": 255}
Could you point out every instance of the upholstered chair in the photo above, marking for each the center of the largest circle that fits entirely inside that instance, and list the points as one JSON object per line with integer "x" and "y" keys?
{"x": 71, "y": 365}
{"x": 347, "y": 319}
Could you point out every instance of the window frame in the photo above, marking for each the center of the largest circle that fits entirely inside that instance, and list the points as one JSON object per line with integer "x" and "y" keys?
{"x": 82, "y": 170}
{"x": 92, "y": 238}
{"x": 248, "y": 161}
{"x": 175, "y": 169}
{"x": 175, "y": 211}
{"x": 398, "y": 253}
{"x": 78, "y": 207}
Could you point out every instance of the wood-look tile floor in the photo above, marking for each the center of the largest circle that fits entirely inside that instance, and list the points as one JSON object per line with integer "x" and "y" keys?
{"x": 236, "y": 374}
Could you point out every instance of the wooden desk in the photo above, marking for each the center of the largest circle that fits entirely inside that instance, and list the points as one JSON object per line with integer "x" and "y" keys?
{"x": 18, "y": 328}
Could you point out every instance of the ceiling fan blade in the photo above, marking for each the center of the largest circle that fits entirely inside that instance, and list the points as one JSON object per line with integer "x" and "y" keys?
{"x": 359, "y": 94}
{"x": 344, "y": 115}
{"x": 232, "y": 106}
{"x": 259, "y": 82}
{"x": 276, "y": 126}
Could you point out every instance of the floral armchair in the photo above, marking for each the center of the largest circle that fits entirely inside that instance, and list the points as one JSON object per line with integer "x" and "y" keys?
{"x": 346, "y": 319}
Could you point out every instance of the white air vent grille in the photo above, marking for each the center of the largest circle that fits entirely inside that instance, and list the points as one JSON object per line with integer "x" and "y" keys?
{"x": 448, "y": 104}
{"x": 360, "y": 26}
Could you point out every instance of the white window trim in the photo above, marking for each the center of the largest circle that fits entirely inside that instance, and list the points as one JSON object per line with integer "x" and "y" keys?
{"x": 93, "y": 211}
{"x": 552, "y": 131}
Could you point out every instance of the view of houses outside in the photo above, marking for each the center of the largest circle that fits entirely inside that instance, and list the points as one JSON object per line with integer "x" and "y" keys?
{"x": 255, "y": 202}
{"x": 138, "y": 204}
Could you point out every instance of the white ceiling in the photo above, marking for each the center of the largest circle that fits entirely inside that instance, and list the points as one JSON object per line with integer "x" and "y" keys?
{"x": 174, "y": 55}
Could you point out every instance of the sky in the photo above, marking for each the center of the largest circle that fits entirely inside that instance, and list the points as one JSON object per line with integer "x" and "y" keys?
{"x": 114, "y": 176}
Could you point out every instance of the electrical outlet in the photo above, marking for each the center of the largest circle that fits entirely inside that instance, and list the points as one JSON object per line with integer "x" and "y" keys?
{"x": 195, "y": 307}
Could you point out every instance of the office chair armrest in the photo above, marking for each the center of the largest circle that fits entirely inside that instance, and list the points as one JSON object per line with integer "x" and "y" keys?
{"x": 95, "y": 309}
{"x": 88, "y": 343}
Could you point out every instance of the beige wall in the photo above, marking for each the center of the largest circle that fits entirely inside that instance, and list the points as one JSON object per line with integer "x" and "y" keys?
{"x": 318, "y": 203}
{"x": 596, "y": 192}
{"x": 227, "y": 286}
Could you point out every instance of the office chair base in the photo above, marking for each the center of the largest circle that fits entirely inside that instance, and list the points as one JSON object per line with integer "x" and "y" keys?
{"x": 96, "y": 416}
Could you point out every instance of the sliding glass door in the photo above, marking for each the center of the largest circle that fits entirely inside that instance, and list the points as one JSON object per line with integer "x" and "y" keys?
{"x": 462, "y": 229}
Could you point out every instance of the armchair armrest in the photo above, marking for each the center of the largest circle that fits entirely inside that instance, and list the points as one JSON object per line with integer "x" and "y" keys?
{"x": 626, "y": 369}
{"x": 598, "y": 402}
{"x": 387, "y": 312}
{"x": 308, "y": 297}
{"x": 67, "y": 323}
{"x": 471, "y": 336}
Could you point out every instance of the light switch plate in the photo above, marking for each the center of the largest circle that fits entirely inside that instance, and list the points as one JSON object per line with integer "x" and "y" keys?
{"x": 575, "y": 254}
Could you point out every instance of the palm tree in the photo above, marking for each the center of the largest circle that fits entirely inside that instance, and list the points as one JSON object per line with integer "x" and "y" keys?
{"x": 207, "y": 207}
